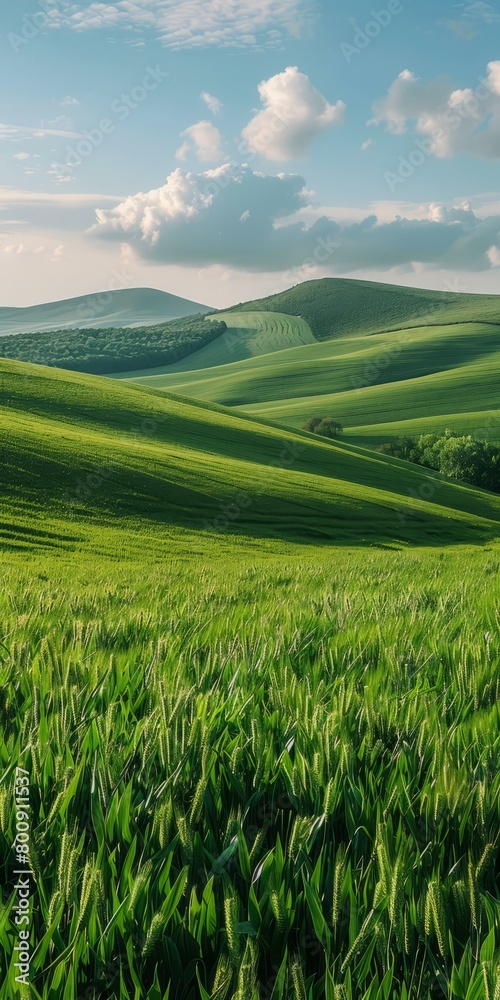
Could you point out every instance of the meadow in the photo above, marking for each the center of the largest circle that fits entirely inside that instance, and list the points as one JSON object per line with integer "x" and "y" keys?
{"x": 257, "y": 769}
{"x": 251, "y": 677}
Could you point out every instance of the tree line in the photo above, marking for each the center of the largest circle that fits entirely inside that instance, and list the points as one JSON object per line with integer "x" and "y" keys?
{"x": 115, "y": 349}
{"x": 458, "y": 456}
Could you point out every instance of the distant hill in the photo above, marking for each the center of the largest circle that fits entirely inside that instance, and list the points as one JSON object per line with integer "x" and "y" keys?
{"x": 336, "y": 307}
{"x": 126, "y": 307}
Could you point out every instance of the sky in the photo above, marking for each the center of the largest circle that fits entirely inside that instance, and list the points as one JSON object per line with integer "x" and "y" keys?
{"x": 228, "y": 149}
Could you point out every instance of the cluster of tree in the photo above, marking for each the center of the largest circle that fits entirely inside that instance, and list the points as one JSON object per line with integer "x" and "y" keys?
{"x": 458, "y": 456}
{"x": 325, "y": 426}
{"x": 118, "y": 349}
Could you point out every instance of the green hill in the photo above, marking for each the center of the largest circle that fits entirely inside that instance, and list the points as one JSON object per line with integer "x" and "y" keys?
{"x": 246, "y": 335}
{"x": 98, "y": 449}
{"x": 334, "y": 307}
{"x": 408, "y": 381}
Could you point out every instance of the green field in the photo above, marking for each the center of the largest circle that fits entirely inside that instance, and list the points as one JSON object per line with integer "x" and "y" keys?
{"x": 253, "y": 763}
{"x": 117, "y": 450}
{"x": 443, "y": 375}
{"x": 252, "y": 675}
{"x": 335, "y": 307}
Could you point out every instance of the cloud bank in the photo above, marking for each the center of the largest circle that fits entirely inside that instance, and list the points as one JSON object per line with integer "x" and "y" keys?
{"x": 239, "y": 218}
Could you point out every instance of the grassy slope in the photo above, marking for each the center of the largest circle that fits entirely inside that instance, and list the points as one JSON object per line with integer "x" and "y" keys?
{"x": 249, "y": 335}
{"x": 334, "y": 307}
{"x": 168, "y": 460}
{"x": 444, "y": 376}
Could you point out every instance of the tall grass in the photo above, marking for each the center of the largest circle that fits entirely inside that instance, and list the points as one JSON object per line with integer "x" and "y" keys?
{"x": 255, "y": 777}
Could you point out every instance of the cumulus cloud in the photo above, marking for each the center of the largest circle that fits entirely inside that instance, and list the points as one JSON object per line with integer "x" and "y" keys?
{"x": 451, "y": 120}
{"x": 235, "y": 217}
{"x": 205, "y": 139}
{"x": 494, "y": 256}
{"x": 294, "y": 113}
{"x": 21, "y": 156}
{"x": 69, "y": 101}
{"x": 183, "y": 24}
{"x": 213, "y": 104}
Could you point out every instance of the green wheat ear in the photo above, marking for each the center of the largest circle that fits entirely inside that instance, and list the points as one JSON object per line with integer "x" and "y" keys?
{"x": 338, "y": 880}
{"x": 223, "y": 979}
{"x": 154, "y": 934}
{"x": 299, "y": 984}
{"x": 231, "y": 920}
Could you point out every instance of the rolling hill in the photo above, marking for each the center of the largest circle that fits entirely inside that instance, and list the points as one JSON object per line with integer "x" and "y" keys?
{"x": 123, "y": 307}
{"x": 378, "y": 386}
{"x": 103, "y": 451}
{"x": 334, "y": 307}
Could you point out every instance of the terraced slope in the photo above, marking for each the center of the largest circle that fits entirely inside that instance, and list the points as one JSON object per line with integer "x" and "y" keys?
{"x": 102, "y": 450}
{"x": 334, "y": 307}
{"x": 442, "y": 376}
{"x": 248, "y": 335}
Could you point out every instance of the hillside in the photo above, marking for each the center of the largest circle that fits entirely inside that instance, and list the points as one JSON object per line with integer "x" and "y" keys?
{"x": 105, "y": 450}
{"x": 334, "y": 307}
{"x": 247, "y": 335}
{"x": 379, "y": 387}
{"x": 123, "y": 307}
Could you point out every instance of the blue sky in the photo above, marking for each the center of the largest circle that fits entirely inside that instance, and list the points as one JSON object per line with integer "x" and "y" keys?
{"x": 353, "y": 139}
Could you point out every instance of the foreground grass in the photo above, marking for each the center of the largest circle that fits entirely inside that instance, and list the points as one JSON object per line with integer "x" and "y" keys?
{"x": 257, "y": 769}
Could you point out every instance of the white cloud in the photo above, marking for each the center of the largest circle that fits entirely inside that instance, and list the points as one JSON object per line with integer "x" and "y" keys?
{"x": 206, "y": 141}
{"x": 452, "y": 121}
{"x": 481, "y": 11}
{"x": 366, "y": 145}
{"x": 192, "y": 220}
{"x": 183, "y": 24}
{"x": 16, "y": 132}
{"x": 69, "y": 101}
{"x": 183, "y": 152}
{"x": 494, "y": 256}
{"x": 213, "y": 104}
{"x": 294, "y": 113}
{"x": 58, "y": 253}
{"x": 21, "y": 156}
